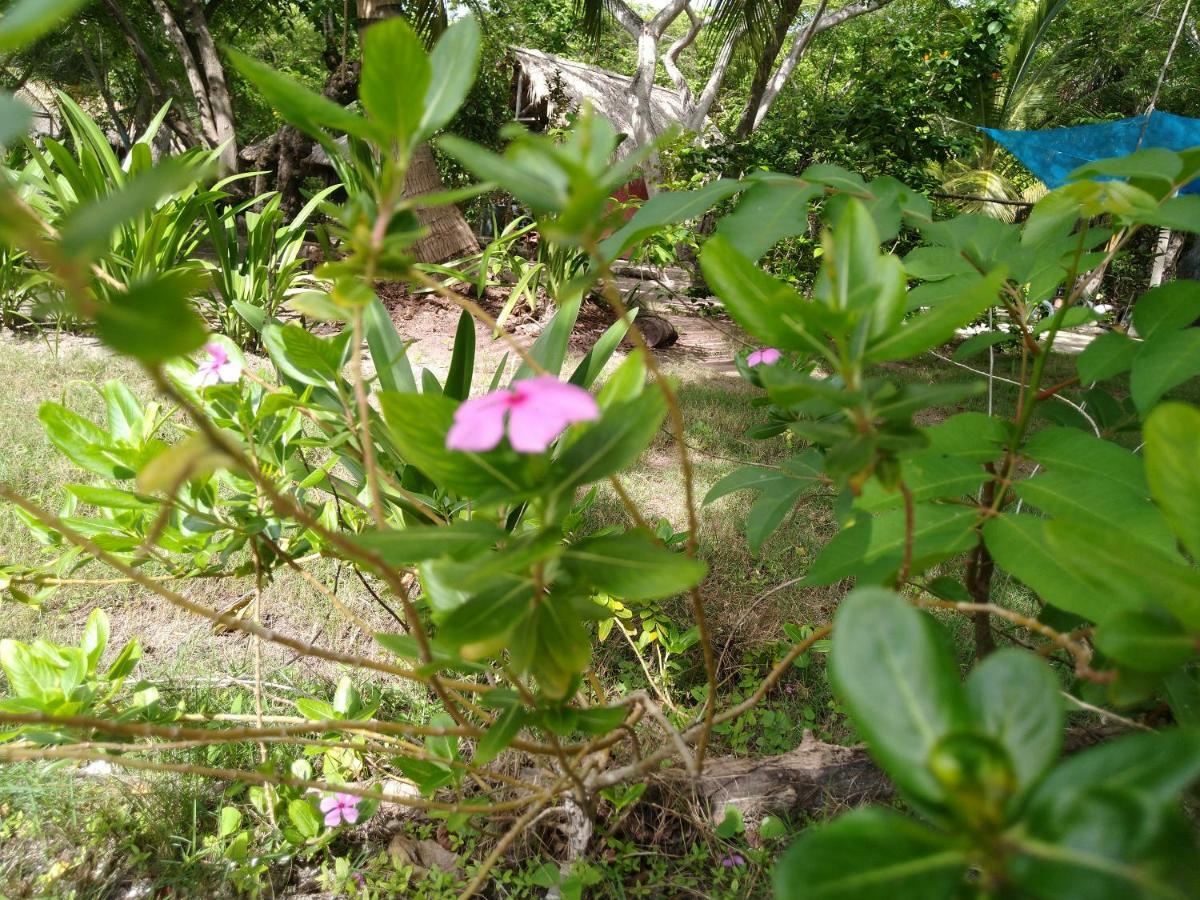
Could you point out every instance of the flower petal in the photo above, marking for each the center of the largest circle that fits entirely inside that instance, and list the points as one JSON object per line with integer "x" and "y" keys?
{"x": 551, "y": 396}
{"x": 350, "y": 815}
{"x": 479, "y": 423}
{"x": 229, "y": 372}
{"x": 348, "y": 799}
{"x": 532, "y": 430}
{"x": 770, "y": 356}
{"x": 329, "y": 803}
{"x": 333, "y": 818}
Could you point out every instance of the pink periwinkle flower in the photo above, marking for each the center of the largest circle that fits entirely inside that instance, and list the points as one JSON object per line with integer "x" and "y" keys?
{"x": 339, "y": 808}
{"x": 218, "y": 368}
{"x": 732, "y": 860}
{"x": 535, "y": 411}
{"x": 767, "y": 356}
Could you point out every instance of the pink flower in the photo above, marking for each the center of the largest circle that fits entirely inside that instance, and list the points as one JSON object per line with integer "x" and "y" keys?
{"x": 732, "y": 860}
{"x": 218, "y": 368}
{"x": 767, "y": 356}
{"x": 339, "y": 808}
{"x": 537, "y": 410}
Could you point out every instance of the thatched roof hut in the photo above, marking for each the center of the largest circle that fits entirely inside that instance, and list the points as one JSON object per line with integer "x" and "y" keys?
{"x": 548, "y": 87}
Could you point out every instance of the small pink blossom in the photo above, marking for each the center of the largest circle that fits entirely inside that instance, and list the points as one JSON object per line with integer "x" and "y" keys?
{"x": 767, "y": 356}
{"x": 218, "y": 368}
{"x": 732, "y": 860}
{"x": 536, "y": 411}
{"x": 339, "y": 808}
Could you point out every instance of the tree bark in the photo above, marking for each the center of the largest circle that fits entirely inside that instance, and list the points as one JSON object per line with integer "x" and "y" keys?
{"x": 154, "y": 81}
{"x": 212, "y": 96}
{"x": 784, "y": 20}
{"x": 220, "y": 103}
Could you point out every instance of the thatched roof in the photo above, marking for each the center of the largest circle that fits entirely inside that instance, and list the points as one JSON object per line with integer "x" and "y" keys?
{"x": 564, "y": 84}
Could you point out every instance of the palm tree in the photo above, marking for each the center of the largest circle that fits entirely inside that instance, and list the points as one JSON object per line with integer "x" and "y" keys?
{"x": 1022, "y": 97}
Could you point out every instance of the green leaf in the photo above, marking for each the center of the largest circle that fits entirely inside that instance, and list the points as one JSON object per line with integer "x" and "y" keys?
{"x": 1146, "y": 642}
{"x": 453, "y": 63}
{"x": 1019, "y": 546}
{"x": 499, "y": 736}
{"x": 1093, "y": 498}
{"x": 419, "y": 424}
{"x": 1172, "y": 452}
{"x": 112, "y": 498}
{"x": 1168, "y": 307}
{"x": 395, "y": 78}
{"x": 540, "y": 193}
{"x": 1107, "y": 355}
{"x": 873, "y": 549}
{"x": 1124, "y": 572}
{"x": 230, "y": 821}
{"x": 1166, "y": 362}
{"x": 613, "y": 443}
{"x": 632, "y": 566}
{"x": 767, "y": 308}
{"x": 15, "y": 119}
{"x": 1155, "y": 767}
{"x": 87, "y": 228}
{"x": 769, "y": 211}
{"x": 554, "y": 645}
{"x": 302, "y": 355}
{"x": 154, "y": 320}
{"x": 597, "y": 358}
{"x": 481, "y": 624}
{"x": 304, "y": 818}
{"x": 934, "y": 327}
{"x": 730, "y": 824}
{"x": 95, "y": 638}
{"x": 935, "y": 263}
{"x": 388, "y": 351}
{"x": 462, "y": 360}
{"x": 667, "y": 208}
{"x": 870, "y": 854}
{"x": 894, "y": 670}
{"x": 299, "y": 106}
{"x": 403, "y": 547}
{"x": 24, "y": 21}
{"x": 1076, "y": 452}
{"x": 1015, "y": 699}
{"x": 83, "y": 443}
{"x": 1153, "y": 163}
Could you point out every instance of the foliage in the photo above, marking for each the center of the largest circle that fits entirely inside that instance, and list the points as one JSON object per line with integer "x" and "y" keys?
{"x": 496, "y": 581}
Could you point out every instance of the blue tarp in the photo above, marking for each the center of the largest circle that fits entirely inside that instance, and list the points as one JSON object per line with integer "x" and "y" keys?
{"x": 1053, "y": 154}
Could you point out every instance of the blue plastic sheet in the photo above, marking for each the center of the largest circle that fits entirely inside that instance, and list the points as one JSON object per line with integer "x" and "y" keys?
{"x": 1053, "y": 154}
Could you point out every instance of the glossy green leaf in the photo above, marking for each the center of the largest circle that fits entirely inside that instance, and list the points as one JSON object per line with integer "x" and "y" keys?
{"x": 462, "y": 360}
{"x": 767, "y": 308}
{"x": 894, "y": 670}
{"x": 613, "y": 443}
{"x": 395, "y": 78}
{"x": 667, "y": 208}
{"x": 24, "y": 21}
{"x": 1172, "y": 452}
{"x": 402, "y": 547}
{"x": 304, "y": 818}
{"x": 1072, "y": 496}
{"x": 771, "y": 210}
{"x": 632, "y": 566}
{"x": 388, "y": 351}
{"x": 154, "y": 320}
{"x": 304, "y": 356}
{"x": 601, "y": 352}
{"x": 1164, "y": 363}
{"x": 934, "y": 327}
{"x": 499, "y": 736}
{"x": 1146, "y": 642}
{"x": 1124, "y": 572}
{"x": 1109, "y": 354}
{"x": 1168, "y": 307}
{"x": 453, "y": 63}
{"x": 481, "y": 624}
{"x": 1014, "y": 697}
{"x": 870, "y": 854}
{"x": 1076, "y": 452}
{"x": 1019, "y": 546}
{"x": 95, "y": 637}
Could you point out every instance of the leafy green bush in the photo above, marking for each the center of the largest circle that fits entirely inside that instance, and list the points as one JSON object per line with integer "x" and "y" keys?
{"x": 465, "y": 508}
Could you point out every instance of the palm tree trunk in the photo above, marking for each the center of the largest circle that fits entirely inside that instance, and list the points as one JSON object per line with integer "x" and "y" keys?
{"x": 449, "y": 237}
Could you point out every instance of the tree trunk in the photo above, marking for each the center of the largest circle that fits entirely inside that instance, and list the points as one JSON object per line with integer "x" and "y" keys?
{"x": 219, "y": 100}
{"x": 449, "y": 234}
{"x": 784, "y": 19}
{"x": 641, "y": 92}
{"x": 450, "y": 237}
{"x": 212, "y": 96}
